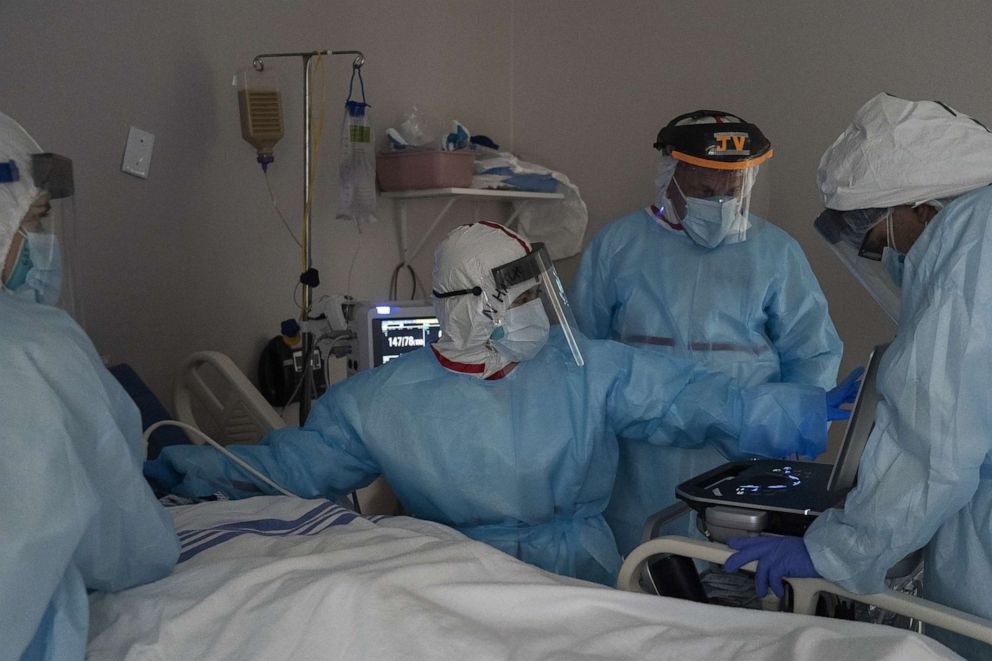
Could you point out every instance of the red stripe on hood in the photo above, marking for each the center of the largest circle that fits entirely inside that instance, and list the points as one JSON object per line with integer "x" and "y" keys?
{"x": 467, "y": 368}
{"x": 505, "y": 230}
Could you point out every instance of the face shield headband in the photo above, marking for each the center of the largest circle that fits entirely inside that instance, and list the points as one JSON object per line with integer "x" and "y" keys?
{"x": 43, "y": 270}
{"x": 51, "y": 174}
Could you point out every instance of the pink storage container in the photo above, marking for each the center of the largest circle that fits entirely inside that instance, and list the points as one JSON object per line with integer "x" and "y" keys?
{"x": 410, "y": 170}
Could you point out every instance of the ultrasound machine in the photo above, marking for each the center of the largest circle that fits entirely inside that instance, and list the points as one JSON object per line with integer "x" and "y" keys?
{"x": 768, "y": 496}
{"x": 783, "y": 497}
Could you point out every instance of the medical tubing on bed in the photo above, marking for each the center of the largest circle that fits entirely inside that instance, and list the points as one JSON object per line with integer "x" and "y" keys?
{"x": 233, "y": 457}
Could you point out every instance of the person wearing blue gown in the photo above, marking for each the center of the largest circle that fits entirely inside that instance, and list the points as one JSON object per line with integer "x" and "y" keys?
{"x": 506, "y": 427}
{"x": 907, "y": 192}
{"x": 77, "y": 514}
{"x": 698, "y": 276}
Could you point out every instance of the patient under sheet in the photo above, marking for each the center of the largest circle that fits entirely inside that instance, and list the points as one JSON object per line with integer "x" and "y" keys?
{"x": 274, "y": 577}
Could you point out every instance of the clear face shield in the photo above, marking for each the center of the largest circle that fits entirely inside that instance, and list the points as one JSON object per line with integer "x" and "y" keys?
{"x": 712, "y": 203}
{"x": 37, "y": 265}
{"x": 849, "y": 237}
{"x": 532, "y": 277}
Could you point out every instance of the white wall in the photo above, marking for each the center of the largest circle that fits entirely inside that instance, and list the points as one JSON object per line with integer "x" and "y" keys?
{"x": 194, "y": 257}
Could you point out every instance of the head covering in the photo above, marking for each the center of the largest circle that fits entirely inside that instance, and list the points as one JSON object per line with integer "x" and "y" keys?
{"x": 714, "y": 139}
{"x": 714, "y": 158}
{"x": 464, "y": 262}
{"x": 904, "y": 152}
{"x": 17, "y": 188}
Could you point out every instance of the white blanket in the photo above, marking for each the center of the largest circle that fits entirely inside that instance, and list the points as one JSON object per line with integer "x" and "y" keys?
{"x": 282, "y": 578}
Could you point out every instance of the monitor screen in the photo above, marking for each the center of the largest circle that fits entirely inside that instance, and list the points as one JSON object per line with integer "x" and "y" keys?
{"x": 394, "y": 336}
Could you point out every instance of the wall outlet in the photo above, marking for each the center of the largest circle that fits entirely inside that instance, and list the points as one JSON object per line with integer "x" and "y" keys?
{"x": 138, "y": 152}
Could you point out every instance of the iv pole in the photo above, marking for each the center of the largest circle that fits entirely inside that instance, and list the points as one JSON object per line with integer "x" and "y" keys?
{"x": 306, "y": 395}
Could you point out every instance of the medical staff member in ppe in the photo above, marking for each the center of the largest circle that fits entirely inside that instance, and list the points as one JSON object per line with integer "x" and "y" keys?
{"x": 506, "y": 427}
{"x": 906, "y": 188}
{"x": 77, "y": 514}
{"x": 696, "y": 275}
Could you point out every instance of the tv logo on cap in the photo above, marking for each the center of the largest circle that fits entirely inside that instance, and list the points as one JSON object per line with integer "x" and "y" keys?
{"x": 730, "y": 144}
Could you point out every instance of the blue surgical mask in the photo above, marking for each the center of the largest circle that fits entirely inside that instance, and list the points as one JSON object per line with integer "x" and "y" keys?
{"x": 523, "y": 332}
{"x": 892, "y": 259}
{"x": 21, "y": 267}
{"x": 710, "y": 221}
{"x": 893, "y": 263}
{"x": 41, "y": 281}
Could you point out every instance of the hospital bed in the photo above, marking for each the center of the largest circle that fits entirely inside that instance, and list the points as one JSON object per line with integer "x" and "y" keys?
{"x": 277, "y": 577}
{"x": 212, "y": 394}
{"x": 282, "y": 577}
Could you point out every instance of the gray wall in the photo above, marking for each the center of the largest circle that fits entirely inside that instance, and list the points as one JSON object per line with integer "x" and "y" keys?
{"x": 594, "y": 81}
{"x": 195, "y": 258}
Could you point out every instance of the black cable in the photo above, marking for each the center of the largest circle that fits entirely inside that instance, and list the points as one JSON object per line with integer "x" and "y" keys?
{"x": 415, "y": 282}
{"x": 392, "y": 282}
{"x": 419, "y": 284}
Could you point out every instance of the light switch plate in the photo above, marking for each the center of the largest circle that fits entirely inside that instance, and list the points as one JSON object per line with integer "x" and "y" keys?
{"x": 138, "y": 152}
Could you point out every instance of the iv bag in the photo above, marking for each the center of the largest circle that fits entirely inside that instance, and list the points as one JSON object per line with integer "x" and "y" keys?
{"x": 260, "y": 107}
{"x": 356, "y": 160}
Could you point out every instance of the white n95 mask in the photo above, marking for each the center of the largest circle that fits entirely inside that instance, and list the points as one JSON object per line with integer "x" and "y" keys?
{"x": 523, "y": 332}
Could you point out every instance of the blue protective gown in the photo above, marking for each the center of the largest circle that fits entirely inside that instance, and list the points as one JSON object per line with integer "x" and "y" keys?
{"x": 752, "y": 310}
{"x": 926, "y": 474}
{"x": 524, "y": 463}
{"x": 77, "y": 513}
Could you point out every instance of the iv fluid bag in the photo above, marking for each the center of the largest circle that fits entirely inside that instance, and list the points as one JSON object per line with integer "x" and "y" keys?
{"x": 260, "y": 106}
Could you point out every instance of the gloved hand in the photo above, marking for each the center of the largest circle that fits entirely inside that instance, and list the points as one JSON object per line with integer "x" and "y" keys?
{"x": 161, "y": 476}
{"x": 777, "y": 558}
{"x": 845, "y": 393}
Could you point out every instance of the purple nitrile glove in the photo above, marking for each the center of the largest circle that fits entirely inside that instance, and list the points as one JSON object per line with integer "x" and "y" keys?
{"x": 778, "y": 557}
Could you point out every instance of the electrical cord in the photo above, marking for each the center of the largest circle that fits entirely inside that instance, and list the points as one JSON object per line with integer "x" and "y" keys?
{"x": 230, "y": 455}
{"x": 272, "y": 197}
{"x": 334, "y": 341}
{"x": 354, "y": 257}
{"x": 414, "y": 281}
{"x": 291, "y": 397}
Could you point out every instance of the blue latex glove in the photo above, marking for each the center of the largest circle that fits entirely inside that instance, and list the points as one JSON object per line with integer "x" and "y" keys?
{"x": 845, "y": 393}
{"x": 777, "y": 558}
{"x": 161, "y": 476}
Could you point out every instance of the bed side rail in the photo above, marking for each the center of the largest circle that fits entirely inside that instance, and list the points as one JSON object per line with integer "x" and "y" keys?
{"x": 229, "y": 406}
{"x": 806, "y": 591}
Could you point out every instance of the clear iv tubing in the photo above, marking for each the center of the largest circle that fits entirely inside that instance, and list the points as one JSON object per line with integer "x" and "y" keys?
{"x": 233, "y": 457}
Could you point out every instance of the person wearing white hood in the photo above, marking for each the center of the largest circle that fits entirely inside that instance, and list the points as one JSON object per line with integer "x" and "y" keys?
{"x": 76, "y": 514}
{"x": 506, "y": 427}
{"x": 906, "y": 187}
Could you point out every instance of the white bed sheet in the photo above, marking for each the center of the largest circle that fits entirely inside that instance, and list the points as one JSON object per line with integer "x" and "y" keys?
{"x": 283, "y": 578}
